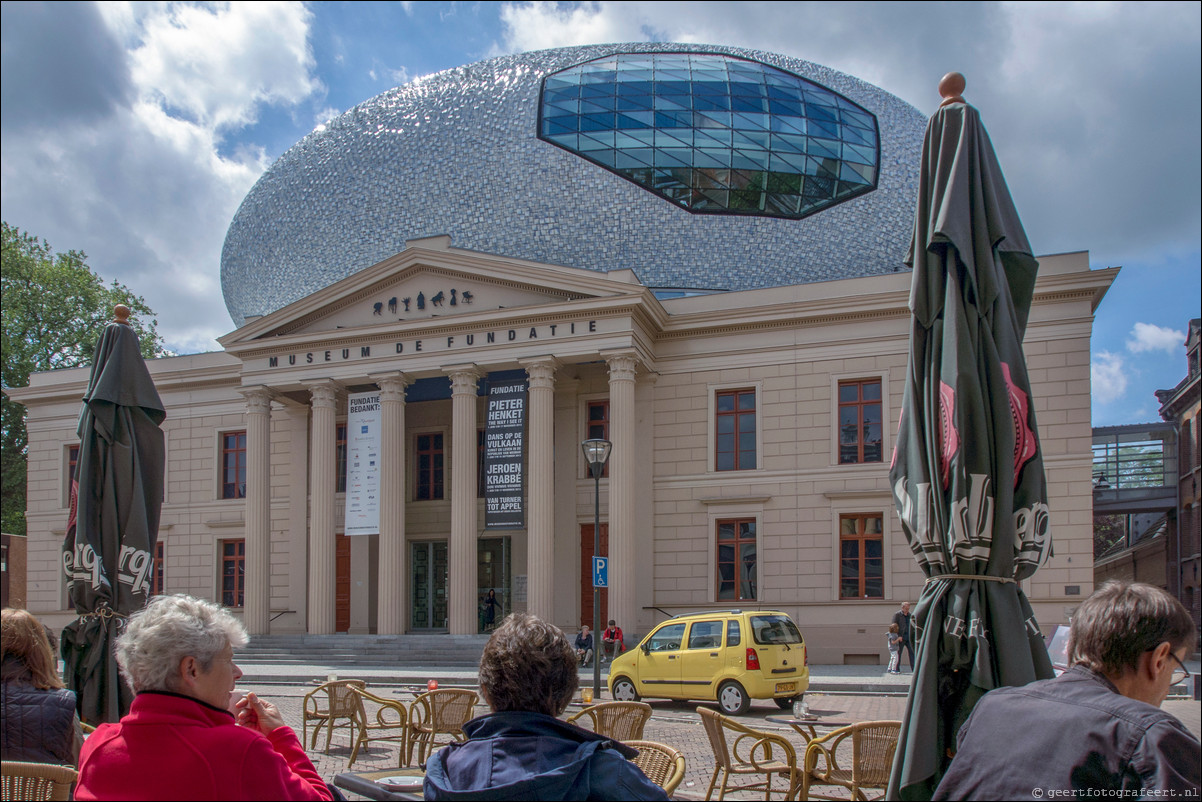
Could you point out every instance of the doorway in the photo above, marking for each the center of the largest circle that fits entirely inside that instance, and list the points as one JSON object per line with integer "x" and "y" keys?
{"x": 429, "y": 561}
{"x": 492, "y": 573}
{"x": 586, "y": 575}
{"x": 342, "y": 583}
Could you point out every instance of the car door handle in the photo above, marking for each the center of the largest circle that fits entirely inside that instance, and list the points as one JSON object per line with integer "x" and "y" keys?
{"x": 713, "y": 654}
{"x": 671, "y": 657}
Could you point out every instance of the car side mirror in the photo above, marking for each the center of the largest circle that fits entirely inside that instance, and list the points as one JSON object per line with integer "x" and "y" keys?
{"x": 646, "y": 647}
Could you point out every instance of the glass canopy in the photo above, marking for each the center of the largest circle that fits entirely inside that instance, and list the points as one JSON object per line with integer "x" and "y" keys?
{"x": 713, "y": 133}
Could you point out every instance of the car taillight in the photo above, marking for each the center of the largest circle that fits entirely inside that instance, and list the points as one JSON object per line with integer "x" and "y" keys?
{"x": 806, "y": 653}
{"x": 753, "y": 660}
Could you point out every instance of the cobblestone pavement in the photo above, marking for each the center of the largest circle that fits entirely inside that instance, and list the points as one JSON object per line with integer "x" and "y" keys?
{"x": 672, "y": 723}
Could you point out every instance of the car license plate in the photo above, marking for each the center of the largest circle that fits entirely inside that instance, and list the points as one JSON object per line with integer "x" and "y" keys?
{"x": 786, "y": 687}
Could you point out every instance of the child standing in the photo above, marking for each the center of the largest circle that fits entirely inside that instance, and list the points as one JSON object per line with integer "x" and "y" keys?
{"x": 895, "y": 640}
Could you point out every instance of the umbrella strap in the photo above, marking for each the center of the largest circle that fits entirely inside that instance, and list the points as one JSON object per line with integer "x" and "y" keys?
{"x": 103, "y": 612}
{"x": 982, "y": 577}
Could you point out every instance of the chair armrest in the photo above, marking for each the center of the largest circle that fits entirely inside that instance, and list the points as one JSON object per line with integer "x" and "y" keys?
{"x": 386, "y": 706}
{"x": 760, "y": 749}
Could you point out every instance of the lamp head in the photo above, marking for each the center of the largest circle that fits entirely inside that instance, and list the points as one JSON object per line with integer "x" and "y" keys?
{"x": 596, "y": 454}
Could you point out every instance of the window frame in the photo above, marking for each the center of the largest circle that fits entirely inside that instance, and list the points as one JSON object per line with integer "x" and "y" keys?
{"x": 158, "y": 572}
{"x": 238, "y": 558}
{"x": 888, "y": 423}
{"x": 862, "y": 537}
{"x": 712, "y": 392}
{"x": 738, "y": 541}
{"x": 341, "y": 455}
{"x": 221, "y": 466}
{"x": 417, "y": 478}
{"x": 589, "y": 404}
{"x": 70, "y": 457}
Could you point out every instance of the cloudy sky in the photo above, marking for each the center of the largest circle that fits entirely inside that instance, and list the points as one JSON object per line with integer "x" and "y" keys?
{"x": 133, "y": 131}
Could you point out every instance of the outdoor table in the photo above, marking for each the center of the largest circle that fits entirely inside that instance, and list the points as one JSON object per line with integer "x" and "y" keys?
{"x": 367, "y": 783}
{"x": 807, "y": 727}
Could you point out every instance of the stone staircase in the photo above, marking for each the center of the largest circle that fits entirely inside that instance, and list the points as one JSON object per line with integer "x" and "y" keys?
{"x": 384, "y": 651}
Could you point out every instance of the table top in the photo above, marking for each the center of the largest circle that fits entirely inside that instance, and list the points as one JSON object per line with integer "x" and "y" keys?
{"x": 815, "y": 721}
{"x": 367, "y": 783}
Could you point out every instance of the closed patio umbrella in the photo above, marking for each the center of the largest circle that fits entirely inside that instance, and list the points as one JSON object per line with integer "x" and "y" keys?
{"x": 117, "y": 494}
{"x": 967, "y": 472}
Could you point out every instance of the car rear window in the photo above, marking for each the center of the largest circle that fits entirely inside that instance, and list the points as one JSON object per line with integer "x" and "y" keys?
{"x": 769, "y": 629}
{"x": 705, "y": 635}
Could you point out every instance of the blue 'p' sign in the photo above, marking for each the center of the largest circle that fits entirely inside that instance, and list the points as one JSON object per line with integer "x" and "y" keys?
{"x": 600, "y": 572}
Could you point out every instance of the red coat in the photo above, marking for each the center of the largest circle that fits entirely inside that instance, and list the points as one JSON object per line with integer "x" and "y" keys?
{"x": 175, "y": 747}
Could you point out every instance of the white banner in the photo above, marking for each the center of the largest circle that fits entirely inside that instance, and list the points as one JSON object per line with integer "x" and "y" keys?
{"x": 363, "y": 421}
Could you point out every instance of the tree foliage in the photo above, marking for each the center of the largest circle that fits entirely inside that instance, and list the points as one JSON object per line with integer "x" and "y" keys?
{"x": 53, "y": 311}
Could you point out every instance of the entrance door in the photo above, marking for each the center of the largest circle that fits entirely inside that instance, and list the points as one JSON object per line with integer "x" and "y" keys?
{"x": 586, "y": 577}
{"x": 492, "y": 574}
{"x": 429, "y": 561}
{"x": 342, "y": 583}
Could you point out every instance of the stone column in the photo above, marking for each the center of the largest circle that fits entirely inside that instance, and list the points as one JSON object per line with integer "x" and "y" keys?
{"x": 323, "y": 473}
{"x": 391, "y": 580}
{"x": 622, "y": 602}
{"x": 461, "y": 593}
{"x": 540, "y": 523}
{"x": 257, "y": 600}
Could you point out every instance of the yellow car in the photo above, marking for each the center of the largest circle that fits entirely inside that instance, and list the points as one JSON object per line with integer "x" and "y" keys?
{"x": 729, "y": 656}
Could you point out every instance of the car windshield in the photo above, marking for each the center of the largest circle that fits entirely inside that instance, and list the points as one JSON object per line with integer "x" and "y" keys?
{"x": 770, "y": 629}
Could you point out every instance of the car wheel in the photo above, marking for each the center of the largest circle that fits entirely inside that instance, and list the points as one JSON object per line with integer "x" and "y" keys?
{"x": 786, "y": 702}
{"x": 624, "y": 690}
{"x": 733, "y": 699}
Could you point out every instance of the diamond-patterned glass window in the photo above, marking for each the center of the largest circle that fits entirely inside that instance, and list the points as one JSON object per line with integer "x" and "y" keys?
{"x": 713, "y": 133}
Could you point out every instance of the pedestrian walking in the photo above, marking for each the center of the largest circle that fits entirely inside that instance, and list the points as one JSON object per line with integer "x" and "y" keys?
{"x": 895, "y": 640}
{"x": 902, "y": 619}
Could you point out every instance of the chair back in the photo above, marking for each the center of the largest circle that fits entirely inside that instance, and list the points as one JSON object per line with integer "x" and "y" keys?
{"x": 449, "y": 708}
{"x": 35, "y": 781}
{"x": 714, "y": 730}
{"x": 873, "y": 744}
{"x": 662, "y": 764}
{"x": 622, "y": 721}
{"x": 344, "y": 701}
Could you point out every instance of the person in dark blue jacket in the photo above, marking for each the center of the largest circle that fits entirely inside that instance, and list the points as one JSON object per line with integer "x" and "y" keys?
{"x": 521, "y": 750}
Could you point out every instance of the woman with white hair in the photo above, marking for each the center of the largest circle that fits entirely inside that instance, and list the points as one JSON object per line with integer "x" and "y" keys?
{"x": 180, "y": 740}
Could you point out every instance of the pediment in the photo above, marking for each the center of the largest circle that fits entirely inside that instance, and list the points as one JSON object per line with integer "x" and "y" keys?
{"x": 420, "y": 285}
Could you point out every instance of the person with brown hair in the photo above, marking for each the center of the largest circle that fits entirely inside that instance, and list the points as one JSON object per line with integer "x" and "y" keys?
{"x": 40, "y": 724}
{"x": 521, "y": 750}
{"x": 1097, "y": 729}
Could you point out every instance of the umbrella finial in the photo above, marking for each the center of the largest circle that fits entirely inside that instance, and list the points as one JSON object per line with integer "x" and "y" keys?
{"x": 951, "y": 88}
{"x": 121, "y": 314}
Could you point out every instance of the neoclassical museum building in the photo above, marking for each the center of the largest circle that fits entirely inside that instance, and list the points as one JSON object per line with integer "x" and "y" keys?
{"x": 694, "y": 252}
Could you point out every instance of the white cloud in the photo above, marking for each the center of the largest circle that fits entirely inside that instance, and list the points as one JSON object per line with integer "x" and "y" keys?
{"x": 1150, "y": 337}
{"x": 1107, "y": 376}
{"x": 535, "y": 26}
{"x": 149, "y": 188}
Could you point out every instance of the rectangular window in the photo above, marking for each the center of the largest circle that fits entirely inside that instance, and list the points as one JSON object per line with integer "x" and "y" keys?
{"x": 860, "y": 430}
{"x": 861, "y": 556}
{"x": 734, "y": 443}
{"x": 736, "y": 560}
{"x": 156, "y": 576}
{"x": 72, "y": 464}
{"x": 233, "y": 465}
{"x": 340, "y": 456}
{"x": 429, "y": 467}
{"x": 480, "y": 440}
{"x": 598, "y": 425}
{"x": 233, "y": 572}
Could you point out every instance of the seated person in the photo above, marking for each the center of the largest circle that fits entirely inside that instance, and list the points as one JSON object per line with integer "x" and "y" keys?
{"x": 180, "y": 740}
{"x": 1097, "y": 730}
{"x": 521, "y": 750}
{"x": 584, "y": 646}
{"x": 40, "y": 725}
{"x": 612, "y": 643}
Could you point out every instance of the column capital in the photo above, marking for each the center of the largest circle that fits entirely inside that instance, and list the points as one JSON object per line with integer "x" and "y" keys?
{"x": 324, "y": 392}
{"x": 392, "y": 385}
{"x": 258, "y": 398}
{"x": 622, "y": 365}
{"x": 540, "y": 371}
{"x": 464, "y": 378}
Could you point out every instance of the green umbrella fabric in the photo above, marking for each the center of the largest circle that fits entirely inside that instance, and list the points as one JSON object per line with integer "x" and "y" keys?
{"x": 967, "y": 472}
{"x": 117, "y": 494}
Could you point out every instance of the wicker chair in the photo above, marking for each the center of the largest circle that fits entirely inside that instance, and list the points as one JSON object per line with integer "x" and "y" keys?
{"x": 391, "y": 724}
{"x": 872, "y": 746}
{"x": 35, "y": 781}
{"x": 622, "y": 721}
{"x": 341, "y": 703}
{"x": 662, "y": 764}
{"x": 440, "y": 712}
{"x": 751, "y": 752}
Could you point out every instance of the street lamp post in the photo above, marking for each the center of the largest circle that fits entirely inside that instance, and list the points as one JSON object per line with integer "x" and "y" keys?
{"x": 596, "y": 453}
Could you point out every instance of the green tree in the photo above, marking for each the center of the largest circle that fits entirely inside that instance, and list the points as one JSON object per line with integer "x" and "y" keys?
{"x": 53, "y": 311}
